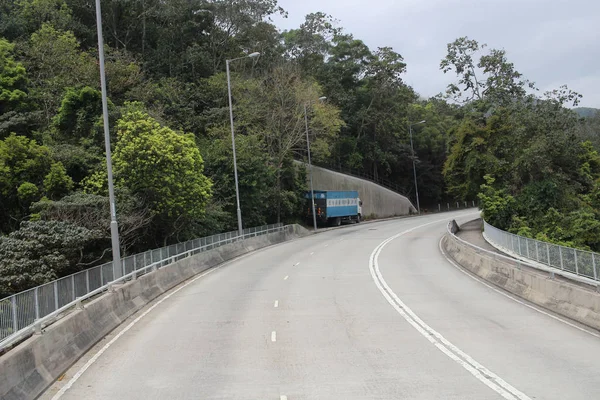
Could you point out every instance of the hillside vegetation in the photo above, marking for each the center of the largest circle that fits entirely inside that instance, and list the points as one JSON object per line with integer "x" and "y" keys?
{"x": 531, "y": 160}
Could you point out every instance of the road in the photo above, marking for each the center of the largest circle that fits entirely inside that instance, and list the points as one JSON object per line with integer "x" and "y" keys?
{"x": 346, "y": 314}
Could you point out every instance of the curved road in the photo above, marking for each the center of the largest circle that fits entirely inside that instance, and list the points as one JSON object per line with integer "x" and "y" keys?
{"x": 371, "y": 311}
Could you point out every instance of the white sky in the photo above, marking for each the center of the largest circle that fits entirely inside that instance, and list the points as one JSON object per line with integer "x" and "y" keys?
{"x": 551, "y": 42}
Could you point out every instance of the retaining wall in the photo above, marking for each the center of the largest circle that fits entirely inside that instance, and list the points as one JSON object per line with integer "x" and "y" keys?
{"x": 378, "y": 201}
{"x": 576, "y": 301}
{"x": 28, "y": 369}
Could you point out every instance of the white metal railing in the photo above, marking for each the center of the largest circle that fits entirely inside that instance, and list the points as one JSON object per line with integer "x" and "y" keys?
{"x": 27, "y": 311}
{"x": 579, "y": 262}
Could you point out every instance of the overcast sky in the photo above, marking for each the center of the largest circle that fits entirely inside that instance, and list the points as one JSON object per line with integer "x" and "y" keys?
{"x": 551, "y": 42}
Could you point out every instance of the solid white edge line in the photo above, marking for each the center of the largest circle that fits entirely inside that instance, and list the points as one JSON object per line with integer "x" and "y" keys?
{"x": 92, "y": 360}
{"x": 477, "y": 370}
{"x": 273, "y": 336}
{"x": 276, "y": 304}
{"x": 503, "y": 293}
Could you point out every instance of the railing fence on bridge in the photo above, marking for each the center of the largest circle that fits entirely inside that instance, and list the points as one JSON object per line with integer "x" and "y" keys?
{"x": 579, "y": 262}
{"x": 27, "y": 310}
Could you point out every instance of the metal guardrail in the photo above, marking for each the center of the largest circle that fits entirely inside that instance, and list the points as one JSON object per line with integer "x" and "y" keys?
{"x": 575, "y": 261}
{"x": 27, "y": 311}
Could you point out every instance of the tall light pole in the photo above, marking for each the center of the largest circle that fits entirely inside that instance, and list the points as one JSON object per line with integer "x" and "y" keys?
{"x": 414, "y": 166}
{"x": 312, "y": 191}
{"x": 114, "y": 227}
{"x": 237, "y": 189}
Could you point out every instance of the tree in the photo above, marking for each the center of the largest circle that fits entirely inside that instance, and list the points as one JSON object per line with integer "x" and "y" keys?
{"x": 496, "y": 204}
{"x": 35, "y": 13}
{"x": 57, "y": 183}
{"x": 55, "y": 62}
{"x": 256, "y": 176}
{"x": 161, "y": 166}
{"x": 13, "y": 79}
{"x": 39, "y": 252}
{"x": 27, "y": 172}
{"x": 272, "y": 108}
{"x": 79, "y": 114}
{"x": 491, "y": 78}
{"x": 93, "y": 212}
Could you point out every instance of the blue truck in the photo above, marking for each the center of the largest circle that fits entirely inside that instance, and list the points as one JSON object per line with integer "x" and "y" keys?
{"x": 333, "y": 207}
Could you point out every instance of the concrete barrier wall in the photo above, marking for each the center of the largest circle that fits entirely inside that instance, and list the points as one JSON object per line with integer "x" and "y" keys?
{"x": 573, "y": 300}
{"x": 377, "y": 201}
{"x": 28, "y": 369}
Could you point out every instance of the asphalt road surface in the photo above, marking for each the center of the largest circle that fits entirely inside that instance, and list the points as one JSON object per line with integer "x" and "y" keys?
{"x": 370, "y": 311}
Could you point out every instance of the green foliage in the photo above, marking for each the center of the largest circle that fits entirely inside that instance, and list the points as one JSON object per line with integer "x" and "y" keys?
{"x": 168, "y": 58}
{"x": 55, "y": 62}
{"x": 23, "y": 164}
{"x": 41, "y": 251}
{"x": 78, "y": 161}
{"x": 27, "y": 192}
{"x": 492, "y": 78}
{"x": 34, "y": 13}
{"x": 495, "y": 204}
{"x": 13, "y": 79}
{"x": 57, "y": 183}
{"x": 256, "y": 177}
{"x": 162, "y": 166}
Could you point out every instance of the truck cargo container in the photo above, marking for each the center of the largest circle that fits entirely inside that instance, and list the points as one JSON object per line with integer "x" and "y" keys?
{"x": 333, "y": 207}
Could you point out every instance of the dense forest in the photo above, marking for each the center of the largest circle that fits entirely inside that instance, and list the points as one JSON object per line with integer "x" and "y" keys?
{"x": 533, "y": 162}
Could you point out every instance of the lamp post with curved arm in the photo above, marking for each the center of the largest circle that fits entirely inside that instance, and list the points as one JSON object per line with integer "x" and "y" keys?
{"x": 312, "y": 191}
{"x": 414, "y": 165}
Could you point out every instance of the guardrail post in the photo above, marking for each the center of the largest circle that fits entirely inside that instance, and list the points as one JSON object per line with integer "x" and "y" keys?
{"x": 594, "y": 266}
{"x": 519, "y": 244}
{"x": 576, "y": 266}
{"x": 527, "y": 247}
{"x": 87, "y": 281}
{"x": 537, "y": 251}
{"x": 561, "y": 258}
{"x": 73, "y": 286}
{"x": 36, "y": 302}
{"x": 134, "y": 266}
{"x": 548, "y": 253}
{"x": 101, "y": 275}
{"x": 439, "y": 208}
{"x": 448, "y": 204}
{"x": 13, "y": 301}
{"x": 55, "y": 296}
{"x": 457, "y": 206}
{"x": 473, "y": 203}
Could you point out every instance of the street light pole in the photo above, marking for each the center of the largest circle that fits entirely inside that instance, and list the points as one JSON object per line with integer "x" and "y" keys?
{"x": 237, "y": 189}
{"x": 114, "y": 228}
{"x": 414, "y": 164}
{"x": 312, "y": 191}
